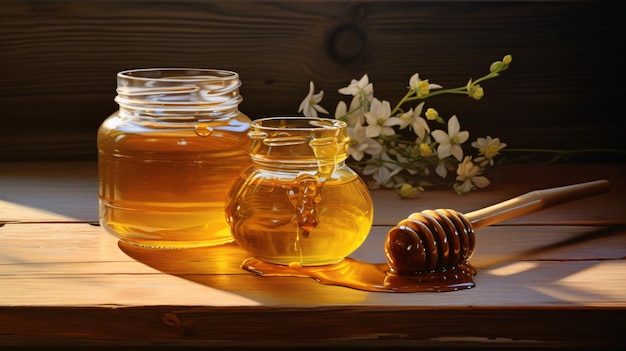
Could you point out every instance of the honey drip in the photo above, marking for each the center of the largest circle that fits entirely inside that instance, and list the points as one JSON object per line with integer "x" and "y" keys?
{"x": 429, "y": 250}
{"x": 304, "y": 199}
{"x": 299, "y": 204}
{"x": 310, "y": 187}
{"x": 266, "y": 224}
{"x": 376, "y": 277}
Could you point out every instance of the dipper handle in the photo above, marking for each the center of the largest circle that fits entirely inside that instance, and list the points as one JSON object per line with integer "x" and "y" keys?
{"x": 535, "y": 201}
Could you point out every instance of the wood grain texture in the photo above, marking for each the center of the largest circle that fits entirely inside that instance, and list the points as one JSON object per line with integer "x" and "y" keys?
{"x": 265, "y": 328}
{"x": 550, "y": 282}
{"x": 80, "y": 266}
{"x": 32, "y": 192}
{"x": 59, "y": 59}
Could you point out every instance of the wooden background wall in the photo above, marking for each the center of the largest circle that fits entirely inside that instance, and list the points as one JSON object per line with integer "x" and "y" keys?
{"x": 565, "y": 88}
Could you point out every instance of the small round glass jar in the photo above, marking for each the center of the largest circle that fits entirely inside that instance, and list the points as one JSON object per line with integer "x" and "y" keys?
{"x": 298, "y": 204}
{"x": 169, "y": 155}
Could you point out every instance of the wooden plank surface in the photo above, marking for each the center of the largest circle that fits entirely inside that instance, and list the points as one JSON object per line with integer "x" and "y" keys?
{"x": 550, "y": 279}
{"x": 79, "y": 265}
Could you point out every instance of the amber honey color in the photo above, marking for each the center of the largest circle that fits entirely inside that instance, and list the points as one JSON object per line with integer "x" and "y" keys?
{"x": 167, "y": 187}
{"x": 274, "y": 221}
{"x": 365, "y": 276}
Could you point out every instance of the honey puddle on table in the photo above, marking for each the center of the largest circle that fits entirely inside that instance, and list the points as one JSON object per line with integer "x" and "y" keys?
{"x": 360, "y": 275}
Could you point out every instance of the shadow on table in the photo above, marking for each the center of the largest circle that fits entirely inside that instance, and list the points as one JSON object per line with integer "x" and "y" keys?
{"x": 219, "y": 267}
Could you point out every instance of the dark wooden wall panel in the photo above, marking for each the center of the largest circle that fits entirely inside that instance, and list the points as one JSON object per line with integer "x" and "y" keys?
{"x": 58, "y": 61}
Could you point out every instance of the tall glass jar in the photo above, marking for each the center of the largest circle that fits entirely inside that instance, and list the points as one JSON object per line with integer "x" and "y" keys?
{"x": 169, "y": 155}
{"x": 298, "y": 203}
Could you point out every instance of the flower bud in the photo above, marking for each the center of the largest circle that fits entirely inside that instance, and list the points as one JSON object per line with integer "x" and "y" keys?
{"x": 507, "y": 59}
{"x": 477, "y": 92}
{"x": 432, "y": 114}
{"x": 408, "y": 191}
{"x": 425, "y": 150}
{"x": 496, "y": 67}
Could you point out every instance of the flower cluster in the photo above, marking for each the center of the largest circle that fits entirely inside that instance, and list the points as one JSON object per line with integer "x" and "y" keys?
{"x": 410, "y": 150}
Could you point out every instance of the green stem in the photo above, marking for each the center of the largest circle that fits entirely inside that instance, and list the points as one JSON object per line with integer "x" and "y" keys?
{"x": 460, "y": 90}
{"x": 411, "y": 96}
{"x": 402, "y": 102}
{"x": 347, "y": 114}
{"x": 486, "y": 77}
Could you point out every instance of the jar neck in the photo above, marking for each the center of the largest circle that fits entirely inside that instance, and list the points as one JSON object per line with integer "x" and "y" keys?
{"x": 178, "y": 94}
{"x": 299, "y": 144}
{"x": 294, "y": 165}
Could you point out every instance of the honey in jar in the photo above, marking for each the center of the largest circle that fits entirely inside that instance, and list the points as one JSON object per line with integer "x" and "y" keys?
{"x": 299, "y": 204}
{"x": 169, "y": 155}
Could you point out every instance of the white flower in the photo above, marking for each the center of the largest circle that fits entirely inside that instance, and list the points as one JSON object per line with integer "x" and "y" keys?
{"x": 468, "y": 177}
{"x": 441, "y": 169}
{"x": 359, "y": 87}
{"x": 488, "y": 148}
{"x": 421, "y": 87}
{"x": 449, "y": 143}
{"x": 341, "y": 110}
{"x": 379, "y": 121}
{"x": 382, "y": 169}
{"x": 363, "y": 92}
{"x": 417, "y": 123}
{"x": 353, "y": 116}
{"x": 309, "y": 106}
{"x": 360, "y": 144}
{"x": 380, "y": 136}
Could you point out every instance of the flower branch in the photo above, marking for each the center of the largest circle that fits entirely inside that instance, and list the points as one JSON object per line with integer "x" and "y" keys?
{"x": 406, "y": 150}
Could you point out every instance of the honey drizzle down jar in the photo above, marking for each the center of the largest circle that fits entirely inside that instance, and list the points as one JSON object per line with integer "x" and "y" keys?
{"x": 169, "y": 155}
{"x": 298, "y": 204}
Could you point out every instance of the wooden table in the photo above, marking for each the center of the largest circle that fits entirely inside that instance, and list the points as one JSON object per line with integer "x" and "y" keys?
{"x": 554, "y": 278}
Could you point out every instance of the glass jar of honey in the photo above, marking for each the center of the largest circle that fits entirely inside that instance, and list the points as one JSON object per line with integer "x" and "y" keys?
{"x": 169, "y": 155}
{"x": 299, "y": 204}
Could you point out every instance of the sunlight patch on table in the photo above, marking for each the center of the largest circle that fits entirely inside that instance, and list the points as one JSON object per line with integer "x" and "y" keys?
{"x": 11, "y": 212}
{"x": 114, "y": 290}
{"x": 581, "y": 287}
{"x": 513, "y": 268}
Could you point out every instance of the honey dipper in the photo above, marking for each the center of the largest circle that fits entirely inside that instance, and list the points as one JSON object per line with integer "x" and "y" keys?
{"x": 442, "y": 239}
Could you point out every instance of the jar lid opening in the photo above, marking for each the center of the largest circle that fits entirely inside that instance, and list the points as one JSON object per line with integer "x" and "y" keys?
{"x": 177, "y": 74}
{"x": 297, "y": 124}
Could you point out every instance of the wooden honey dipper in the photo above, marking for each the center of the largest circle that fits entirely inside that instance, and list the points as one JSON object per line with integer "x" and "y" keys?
{"x": 442, "y": 239}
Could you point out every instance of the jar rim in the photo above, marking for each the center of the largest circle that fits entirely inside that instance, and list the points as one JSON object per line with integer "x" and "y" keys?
{"x": 177, "y": 74}
{"x": 298, "y": 123}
